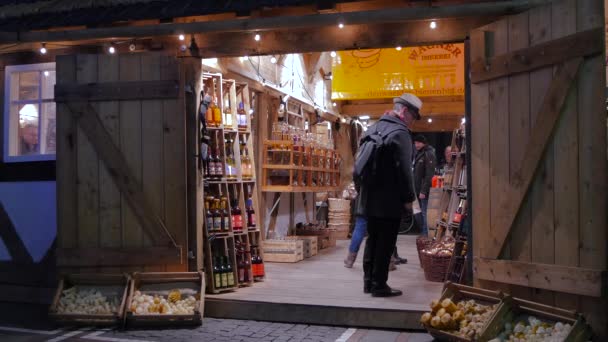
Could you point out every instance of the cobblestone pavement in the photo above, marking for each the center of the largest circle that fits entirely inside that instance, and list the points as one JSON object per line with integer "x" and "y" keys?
{"x": 213, "y": 330}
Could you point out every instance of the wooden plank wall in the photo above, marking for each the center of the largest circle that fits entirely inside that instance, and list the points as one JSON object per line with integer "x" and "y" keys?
{"x": 92, "y": 213}
{"x": 563, "y": 217}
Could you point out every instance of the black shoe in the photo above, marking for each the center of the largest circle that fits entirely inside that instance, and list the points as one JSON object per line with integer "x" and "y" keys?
{"x": 401, "y": 260}
{"x": 386, "y": 292}
{"x": 367, "y": 287}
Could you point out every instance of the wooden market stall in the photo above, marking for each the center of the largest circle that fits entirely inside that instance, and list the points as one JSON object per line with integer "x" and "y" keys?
{"x": 131, "y": 186}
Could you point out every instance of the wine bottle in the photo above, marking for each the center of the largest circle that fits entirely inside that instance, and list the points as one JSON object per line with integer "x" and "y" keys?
{"x": 217, "y": 216}
{"x": 260, "y": 262}
{"x": 227, "y": 113}
{"x": 225, "y": 223}
{"x": 241, "y": 266}
{"x": 217, "y": 274}
{"x": 230, "y": 162}
{"x": 208, "y": 214}
{"x": 241, "y": 117}
{"x": 250, "y": 214}
{"x": 217, "y": 113}
{"x": 237, "y": 218}
{"x": 219, "y": 165}
{"x": 459, "y": 212}
{"x": 229, "y": 272}
{"x": 223, "y": 272}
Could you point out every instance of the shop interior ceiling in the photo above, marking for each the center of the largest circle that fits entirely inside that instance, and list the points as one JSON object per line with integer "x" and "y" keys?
{"x": 227, "y": 29}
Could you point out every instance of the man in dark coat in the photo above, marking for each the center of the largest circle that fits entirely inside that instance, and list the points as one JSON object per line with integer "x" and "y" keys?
{"x": 391, "y": 190}
{"x": 424, "y": 170}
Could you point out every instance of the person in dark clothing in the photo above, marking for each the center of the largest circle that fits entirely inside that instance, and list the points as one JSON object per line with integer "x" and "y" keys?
{"x": 424, "y": 170}
{"x": 390, "y": 192}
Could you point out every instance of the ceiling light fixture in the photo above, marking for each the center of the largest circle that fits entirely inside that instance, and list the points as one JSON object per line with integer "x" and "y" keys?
{"x": 257, "y": 37}
{"x": 341, "y": 25}
{"x": 112, "y": 49}
{"x": 429, "y": 120}
{"x": 182, "y": 37}
{"x": 433, "y": 24}
{"x": 398, "y": 48}
{"x": 273, "y": 60}
{"x": 43, "y": 49}
{"x": 333, "y": 54}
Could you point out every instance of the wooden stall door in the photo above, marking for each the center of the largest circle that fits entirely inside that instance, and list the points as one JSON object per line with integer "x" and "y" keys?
{"x": 538, "y": 145}
{"x": 121, "y": 163}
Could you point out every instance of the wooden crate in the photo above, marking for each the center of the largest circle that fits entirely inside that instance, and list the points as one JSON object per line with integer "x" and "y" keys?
{"x": 311, "y": 244}
{"x": 459, "y": 292}
{"x": 326, "y": 236}
{"x": 340, "y": 231}
{"x": 108, "y": 284}
{"x": 190, "y": 283}
{"x": 283, "y": 250}
{"x": 516, "y": 309}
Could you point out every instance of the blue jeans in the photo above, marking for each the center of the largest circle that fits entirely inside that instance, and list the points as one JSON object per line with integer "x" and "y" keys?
{"x": 358, "y": 234}
{"x": 423, "y": 205}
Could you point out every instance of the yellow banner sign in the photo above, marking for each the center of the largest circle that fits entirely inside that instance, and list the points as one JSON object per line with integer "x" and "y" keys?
{"x": 434, "y": 70}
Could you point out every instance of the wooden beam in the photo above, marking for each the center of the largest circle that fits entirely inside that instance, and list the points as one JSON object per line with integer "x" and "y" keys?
{"x": 543, "y": 129}
{"x": 428, "y": 108}
{"x": 110, "y": 154}
{"x": 11, "y": 239}
{"x": 391, "y": 15}
{"x": 116, "y": 91}
{"x": 92, "y": 257}
{"x": 582, "y": 44}
{"x": 575, "y": 280}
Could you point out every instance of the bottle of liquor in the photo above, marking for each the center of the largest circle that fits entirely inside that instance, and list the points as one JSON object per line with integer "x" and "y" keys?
{"x": 217, "y": 273}
{"x": 230, "y": 162}
{"x": 208, "y": 214}
{"x": 223, "y": 272}
{"x": 250, "y": 214}
{"x": 254, "y": 265}
{"x": 217, "y": 216}
{"x": 241, "y": 117}
{"x": 229, "y": 271}
{"x": 241, "y": 266}
{"x": 247, "y": 266}
{"x": 225, "y": 224}
{"x": 217, "y": 113}
{"x": 237, "y": 218}
{"x": 209, "y": 116}
{"x": 459, "y": 212}
{"x": 219, "y": 165}
{"x": 227, "y": 113}
{"x": 260, "y": 266}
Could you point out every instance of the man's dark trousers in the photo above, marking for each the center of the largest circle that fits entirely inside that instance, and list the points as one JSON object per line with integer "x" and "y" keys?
{"x": 380, "y": 244}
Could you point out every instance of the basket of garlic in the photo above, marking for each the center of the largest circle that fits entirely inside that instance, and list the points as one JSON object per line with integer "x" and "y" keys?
{"x": 90, "y": 299}
{"x": 524, "y": 321}
{"x": 462, "y": 314}
{"x": 166, "y": 299}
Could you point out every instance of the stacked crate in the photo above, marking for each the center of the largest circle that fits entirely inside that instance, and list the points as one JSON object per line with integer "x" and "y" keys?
{"x": 339, "y": 217}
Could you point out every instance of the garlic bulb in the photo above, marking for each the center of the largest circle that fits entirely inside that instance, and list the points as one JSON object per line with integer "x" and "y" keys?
{"x": 535, "y": 330}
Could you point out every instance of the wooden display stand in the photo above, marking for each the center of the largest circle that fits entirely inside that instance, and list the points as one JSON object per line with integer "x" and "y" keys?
{"x": 454, "y": 188}
{"x": 237, "y": 189}
{"x": 286, "y": 169}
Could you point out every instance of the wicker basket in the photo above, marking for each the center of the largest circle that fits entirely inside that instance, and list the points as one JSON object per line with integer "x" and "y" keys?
{"x": 422, "y": 242}
{"x": 337, "y": 204}
{"x": 435, "y": 265}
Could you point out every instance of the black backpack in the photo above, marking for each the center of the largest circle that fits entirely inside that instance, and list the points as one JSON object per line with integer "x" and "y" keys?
{"x": 370, "y": 148}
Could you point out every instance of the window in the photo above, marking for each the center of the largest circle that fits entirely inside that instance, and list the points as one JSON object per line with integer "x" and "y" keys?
{"x": 29, "y": 113}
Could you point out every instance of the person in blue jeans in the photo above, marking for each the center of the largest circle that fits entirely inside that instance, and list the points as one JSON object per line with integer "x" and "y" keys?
{"x": 356, "y": 240}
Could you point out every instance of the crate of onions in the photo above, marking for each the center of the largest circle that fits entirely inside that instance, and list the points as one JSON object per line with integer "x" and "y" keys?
{"x": 168, "y": 298}
{"x": 523, "y": 321}
{"x": 90, "y": 299}
{"x": 463, "y": 313}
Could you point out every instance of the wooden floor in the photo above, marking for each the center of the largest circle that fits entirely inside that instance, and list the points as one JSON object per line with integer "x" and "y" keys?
{"x": 323, "y": 280}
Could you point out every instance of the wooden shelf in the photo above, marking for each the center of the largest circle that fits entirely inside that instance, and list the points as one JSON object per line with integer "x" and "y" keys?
{"x": 298, "y": 168}
{"x": 287, "y": 188}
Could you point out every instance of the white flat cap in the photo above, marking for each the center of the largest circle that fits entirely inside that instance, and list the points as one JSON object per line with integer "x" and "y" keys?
{"x": 409, "y": 99}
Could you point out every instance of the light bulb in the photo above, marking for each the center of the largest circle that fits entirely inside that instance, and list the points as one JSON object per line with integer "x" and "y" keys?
{"x": 463, "y": 120}
{"x": 111, "y": 50}
{"x": 245, "y": 58}
{"x": 429, "y": 120}
{"x": 46, "y": 73}
{"x": 181, "y": 37}
{"x": 43, "y": 49}
{"x": 335, "y": 104}
{"x": 257, "y": 37}
{"x": 341, "y": 25}
{"x": 398, "y": 48}
{"x": 273, "y": 60}
{"x": 433, "y": 25}
{"x": 333, "y": 53}
{"x": 342, "y": 120}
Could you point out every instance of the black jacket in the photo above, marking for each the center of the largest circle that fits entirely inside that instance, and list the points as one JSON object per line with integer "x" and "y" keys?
{"x": 424, "y": 169}
{"x": 394, "y": 185}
